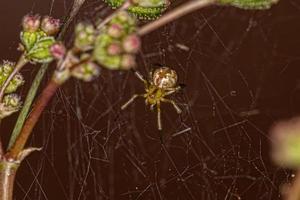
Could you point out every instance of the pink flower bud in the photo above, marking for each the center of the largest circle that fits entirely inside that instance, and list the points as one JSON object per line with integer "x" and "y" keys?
{"x": 128, "y": 62}
{"x": 50, "y": 25}
{"x": 31, "y": 23}
{"x": 167, "y": 3}
{"x": 58, "y": 51}
{"x": 131, "y": 43}
{"x": 115, "y": 30}
{"x": 114, "y": 49}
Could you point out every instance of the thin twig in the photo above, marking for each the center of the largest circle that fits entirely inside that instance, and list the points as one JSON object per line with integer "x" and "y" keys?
{"x": 176, "y": 13}
{"x": 77, "y": 4}
{"x": 125, "y": 6}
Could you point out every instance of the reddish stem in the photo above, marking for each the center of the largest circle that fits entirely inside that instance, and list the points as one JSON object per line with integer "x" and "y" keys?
{"x": 32, "y": 119}
{"x": 176, "y": 13}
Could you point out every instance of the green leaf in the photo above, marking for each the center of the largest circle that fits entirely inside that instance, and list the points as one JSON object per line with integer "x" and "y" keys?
{"x": 249, "y": 4}
{"x": 40, "y": 52}
{"x": 37, "y": 46}
{"x": 29, "y": 39}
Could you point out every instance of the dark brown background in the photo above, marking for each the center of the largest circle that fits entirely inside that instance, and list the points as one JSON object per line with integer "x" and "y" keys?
{"x": 237, "y": 61}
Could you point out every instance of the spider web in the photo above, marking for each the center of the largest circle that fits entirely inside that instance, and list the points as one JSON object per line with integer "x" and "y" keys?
{"x": 241, "y": 71}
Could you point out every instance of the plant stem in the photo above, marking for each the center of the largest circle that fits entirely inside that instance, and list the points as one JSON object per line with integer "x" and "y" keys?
{"x": 19, "y": 139}
{"x": 176, "y": 13}
{"x": 28, "y": 101}
{"x": 46, "y": 95}
{"x": 17, "y": 142}
{"x": 293, "y": 193}
{"x": 7, "y": 176}
{"x": 32, "y": 119}
{"x": 20, "y": 64}
{"x": 39, "y": 76}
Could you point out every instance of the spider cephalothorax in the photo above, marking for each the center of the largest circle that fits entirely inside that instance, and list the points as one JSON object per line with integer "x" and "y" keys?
{"x": 163, "y": 82}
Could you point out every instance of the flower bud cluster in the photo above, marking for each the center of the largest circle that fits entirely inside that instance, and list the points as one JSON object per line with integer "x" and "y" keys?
{"x": 117, "y": 44}
{"x": 84, "y": 36}
{"x": 37, "y": 37}
{"x": 11, "y": 102}
{"x": 86, "y": 72}
{"x": 5, "y": 70}
{"x": 33, "y": 23}
{"x": 143, "y": 9}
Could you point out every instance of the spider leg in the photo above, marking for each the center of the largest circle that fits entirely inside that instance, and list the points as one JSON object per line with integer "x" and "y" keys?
{"x": 139, "y": 76}
{"x": 152, "y": 107}
{"x": 159, "y": 116}
{"x": 178, "y": 110}
{"x": 130, "y": 101}
{"x": 172, "y": 90}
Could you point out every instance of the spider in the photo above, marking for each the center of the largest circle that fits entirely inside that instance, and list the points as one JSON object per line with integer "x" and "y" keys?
{"x": 163, "y": 82}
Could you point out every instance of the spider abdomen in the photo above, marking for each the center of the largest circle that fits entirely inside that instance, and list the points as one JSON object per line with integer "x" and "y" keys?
{"x": 164, "y": 77}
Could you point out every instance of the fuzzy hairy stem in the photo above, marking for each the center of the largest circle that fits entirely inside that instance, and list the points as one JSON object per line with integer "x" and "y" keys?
{"x": 7, "y": 176}
{"x": 175, "y": 14}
